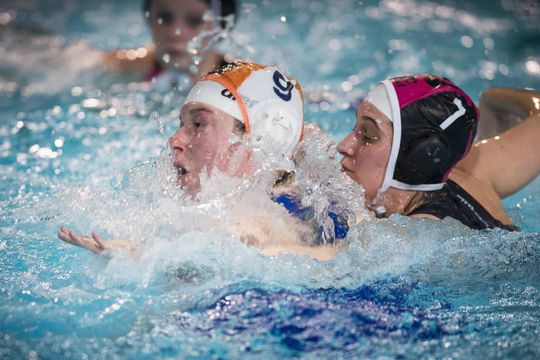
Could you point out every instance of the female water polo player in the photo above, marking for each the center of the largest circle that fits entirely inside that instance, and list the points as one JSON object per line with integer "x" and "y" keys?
{"x": 412, "y": 151}
{"x": 173, "y": 24}
{"x": 239, "y": 102}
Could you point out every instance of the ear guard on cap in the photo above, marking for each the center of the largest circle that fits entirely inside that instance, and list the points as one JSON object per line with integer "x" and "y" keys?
{"x": 274, "y": 128}
{"x": 427, "y": 157}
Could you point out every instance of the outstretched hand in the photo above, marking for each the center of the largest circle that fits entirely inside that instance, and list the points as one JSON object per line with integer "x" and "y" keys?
{"x": 94, "y": 243}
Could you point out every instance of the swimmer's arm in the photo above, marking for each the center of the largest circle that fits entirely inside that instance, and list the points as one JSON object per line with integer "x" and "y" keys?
{"x": 509, "y": 161}
{"x": 118, "y": 59}
{"x": 323, "y": 253}
{"x": 264, "y": 246}
{"x": 96, "y": 243}
{"x": 517, "y": 102}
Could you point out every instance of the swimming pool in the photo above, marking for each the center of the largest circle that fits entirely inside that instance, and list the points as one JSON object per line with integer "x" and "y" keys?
{"x": 79, "y": 147}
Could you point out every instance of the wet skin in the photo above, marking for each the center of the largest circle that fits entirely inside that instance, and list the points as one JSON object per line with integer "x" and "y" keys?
{"x": 207, "y": 140}
{"x": 366, "y": 149}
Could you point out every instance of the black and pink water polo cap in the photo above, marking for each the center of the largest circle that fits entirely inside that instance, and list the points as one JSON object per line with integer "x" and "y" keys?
{"x": 434, "y": 125}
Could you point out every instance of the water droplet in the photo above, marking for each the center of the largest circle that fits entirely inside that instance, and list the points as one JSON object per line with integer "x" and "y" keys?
{"x": 155, "y": 117}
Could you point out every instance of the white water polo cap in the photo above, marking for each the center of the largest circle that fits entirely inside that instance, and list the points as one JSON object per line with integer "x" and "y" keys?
{"x": 268, "y": 103}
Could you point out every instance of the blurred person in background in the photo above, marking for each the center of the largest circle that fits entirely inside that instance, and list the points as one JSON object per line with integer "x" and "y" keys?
{"x": 184, "y": 35}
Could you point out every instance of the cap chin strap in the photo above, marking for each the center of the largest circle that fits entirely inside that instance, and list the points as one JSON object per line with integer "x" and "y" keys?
{"x": 395, "y": 113}
{"x": 378, "y": 97}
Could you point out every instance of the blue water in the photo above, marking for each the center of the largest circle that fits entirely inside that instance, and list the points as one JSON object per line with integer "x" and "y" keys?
{"x": 83, "y": 147}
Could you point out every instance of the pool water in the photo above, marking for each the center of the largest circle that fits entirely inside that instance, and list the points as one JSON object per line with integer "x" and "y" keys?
{"x": 85, "y": 148}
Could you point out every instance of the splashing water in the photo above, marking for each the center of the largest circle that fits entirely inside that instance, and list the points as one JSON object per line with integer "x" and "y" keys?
{"x": 161, "y": 127}
{"x": 210, "y": 39}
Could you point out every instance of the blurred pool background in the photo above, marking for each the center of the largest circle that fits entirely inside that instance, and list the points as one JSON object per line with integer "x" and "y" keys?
{"x": 82, "y": 146}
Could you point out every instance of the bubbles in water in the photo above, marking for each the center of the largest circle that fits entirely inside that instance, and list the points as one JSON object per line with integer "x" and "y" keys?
{"x": 488, "y": 43}
{"x": 533, "y": 67}
{"x": 467, "y": 41}
{"x": 7, "y": 16}
{"x": 166, "y": 58}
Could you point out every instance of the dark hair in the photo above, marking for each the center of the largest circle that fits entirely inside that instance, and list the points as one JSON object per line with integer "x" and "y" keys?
{"x": 239, "y": 126}
{"x": 228, "y": 7}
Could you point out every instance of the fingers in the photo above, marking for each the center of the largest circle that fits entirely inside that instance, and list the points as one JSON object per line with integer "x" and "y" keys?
{"x": 63, "y": 235}
{"x": 68, "y": 233}
{"x": 98, "y": 240}
{"x": 74, "y": 238}
{"x": 94, "y": 243}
